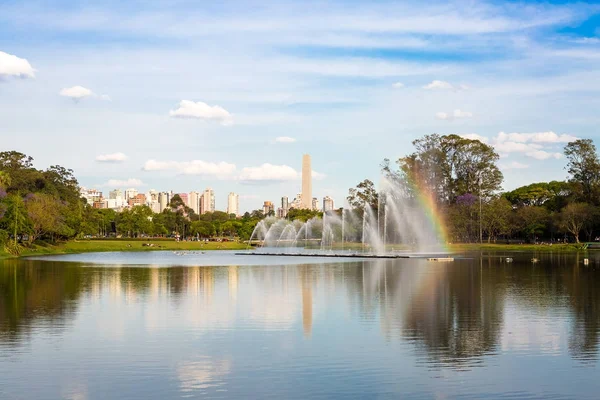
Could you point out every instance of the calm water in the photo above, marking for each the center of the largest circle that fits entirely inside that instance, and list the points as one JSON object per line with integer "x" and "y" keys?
{"x": 135, "y": 326}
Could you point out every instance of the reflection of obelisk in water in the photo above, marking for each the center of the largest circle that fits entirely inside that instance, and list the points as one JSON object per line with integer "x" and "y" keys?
{"x": 306, "y": 182}
{"x": 306, "y": 301}
{"x": 208, "y": 280}
{"x": 233, "y": 282}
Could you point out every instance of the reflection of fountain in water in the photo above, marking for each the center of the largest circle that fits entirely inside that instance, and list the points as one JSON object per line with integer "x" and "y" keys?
{"x": 398, "y": 222}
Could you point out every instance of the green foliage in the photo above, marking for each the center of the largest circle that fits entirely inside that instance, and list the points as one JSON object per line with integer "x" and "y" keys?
{"x": 364, "y": 193}
{"x": 303, "y": 214}
{"x": 583, "y": 165}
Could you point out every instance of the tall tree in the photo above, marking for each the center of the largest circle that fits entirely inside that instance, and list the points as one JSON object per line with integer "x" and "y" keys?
{"x": 450, "y": 166}
{"x": 574, "y": 217}
{"x": 583, "y": 165}
{"x": 364, "y": 193}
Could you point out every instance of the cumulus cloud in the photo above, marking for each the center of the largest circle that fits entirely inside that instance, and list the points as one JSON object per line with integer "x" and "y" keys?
{"x": 118, "y": 183}
{"x": 456, "y": 114}
{"x": 285, "y": 139}
{"x": 318, "y": 176}
{"x": 76, "y": 92}
{"x": 268, "y": 173}
{"x": 515, "y": 147}
{"x": 111, "y": 158}
{"x": 397, "y": 85}
{"x": 474, "y": 136}
{"x": 200, "y": 110}
{"x": 537, "y": 137}
{"x": 543, "y": 155}
{"x": 514, "y": 165}
{"x": 220, "y": 170}
{"x": 13, "y": 66}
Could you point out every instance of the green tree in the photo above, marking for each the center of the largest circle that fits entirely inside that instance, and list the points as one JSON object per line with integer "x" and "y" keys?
{"x": 583, "y": 165}
{"x": 532, "y": 221}
{"x": 574, "y": 217}
{"x": 496, "y": 218}
{"x": 15, "y": 216}
{"x": 43, "y": 211}
{"x": 364, "y": 193}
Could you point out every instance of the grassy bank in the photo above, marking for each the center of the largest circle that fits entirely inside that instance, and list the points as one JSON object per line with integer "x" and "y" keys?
{"x": 89, "y": 246}
{"x": 461, "y": 247}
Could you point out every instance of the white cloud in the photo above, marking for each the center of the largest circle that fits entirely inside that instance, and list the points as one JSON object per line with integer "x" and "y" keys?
{"x": 438, "y": 85}
{"x": 538, "y": 137}
{"x": 543, "y": 155}
{"x": 515, "y": 147}
{"x": 318, "y": 176}
{"x": 285, "y": 139}
{"x": 105, "y": 97}
{"x": 200, "y": 110}
{"x": 398, "y": 85}
{"x": 76, "y": 92}
{"x": 474, "y": 136}
{"x": 514, "y": 165}
{"x": 118, "y": 183}
{"x": 13, "y": 66}
{"x": 268, "y": 173}
{"x": 111, "y": 158}
{"x": 456, "y": 114}
{"x": 220, "y": 170}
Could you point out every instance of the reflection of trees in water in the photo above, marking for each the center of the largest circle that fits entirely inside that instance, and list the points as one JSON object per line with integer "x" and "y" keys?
{"x": 453, "y": 312}
{"x": 27, "y": 292}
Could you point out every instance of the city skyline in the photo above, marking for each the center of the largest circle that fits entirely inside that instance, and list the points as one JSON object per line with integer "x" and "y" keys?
{"x": 205, "y": 201}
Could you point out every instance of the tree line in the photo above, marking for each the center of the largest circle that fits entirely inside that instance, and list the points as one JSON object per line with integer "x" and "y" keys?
{"x": 45, "y": 205}
{"x": 463, "y": 177}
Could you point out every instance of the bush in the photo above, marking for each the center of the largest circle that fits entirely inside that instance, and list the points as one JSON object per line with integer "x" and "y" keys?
{"x": 3, "y": 237}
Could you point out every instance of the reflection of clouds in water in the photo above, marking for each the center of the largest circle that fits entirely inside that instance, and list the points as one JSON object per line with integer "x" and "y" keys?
{"x": 75, "y": 391}
{"x": 202, "y": 374}
{"x": 524, "y": 331}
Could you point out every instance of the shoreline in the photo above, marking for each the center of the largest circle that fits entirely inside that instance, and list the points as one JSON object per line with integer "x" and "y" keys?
{"x": 139, "y": 245}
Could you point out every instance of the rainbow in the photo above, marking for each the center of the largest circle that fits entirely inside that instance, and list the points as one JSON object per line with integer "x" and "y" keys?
{"x": 427, "y": 200}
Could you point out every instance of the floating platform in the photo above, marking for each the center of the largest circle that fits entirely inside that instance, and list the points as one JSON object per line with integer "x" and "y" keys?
{"x": 350, "y": 255}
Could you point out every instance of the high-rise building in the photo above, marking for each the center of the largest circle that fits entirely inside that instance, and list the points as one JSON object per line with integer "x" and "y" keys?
{"x": 296, "y": 203}
{"x": 194, "y": 202}
{"x": 207, "y": 203}
{"x": 315, "y": 204}
{"x": 306, "y": 182}
{"x": 115, "y": 194}
{"x": 233, "y": 204}
{"x": 285, "y": 203}
{"x": 138, "y": 200}
{"x": 184, "y": 198}
{"x": 327, "y": 204}
{"x": 163, "y": 200}
{"x": 268, "y": 207}
{"x": 130, "y": 193}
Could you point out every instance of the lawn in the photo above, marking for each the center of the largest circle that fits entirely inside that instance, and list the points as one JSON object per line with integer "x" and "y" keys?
{"x": 88, "y": 246}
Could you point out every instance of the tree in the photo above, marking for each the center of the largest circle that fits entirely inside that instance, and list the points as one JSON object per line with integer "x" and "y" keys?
{"x": 4, "y": 179}
{"x": 364, "y": 193}
{"x": 15, "y": 216}
{"x": 574, "y": 217}
{"x": 496, "y": 218}
{"x": 583, "y": 165}
{"x": 532, "y": 221}
{"x": 449, "y": 166}
{"x": 43, "y": 211}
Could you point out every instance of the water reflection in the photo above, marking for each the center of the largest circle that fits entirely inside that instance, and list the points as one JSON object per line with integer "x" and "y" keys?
{"x": 456, "y": 315}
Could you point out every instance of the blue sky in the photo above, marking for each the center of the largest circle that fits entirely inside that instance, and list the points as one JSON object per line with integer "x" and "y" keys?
{"x": 183, "y": 95}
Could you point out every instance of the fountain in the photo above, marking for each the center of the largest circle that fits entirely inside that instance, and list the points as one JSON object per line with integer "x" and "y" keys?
{"x": 400, "y": 225}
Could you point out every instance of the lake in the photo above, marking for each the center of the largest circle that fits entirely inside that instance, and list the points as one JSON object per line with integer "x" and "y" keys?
{"x": 217, "y": 325}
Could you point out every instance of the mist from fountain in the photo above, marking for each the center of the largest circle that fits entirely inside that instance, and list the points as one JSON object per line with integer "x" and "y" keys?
{"x": 400, "y": 223}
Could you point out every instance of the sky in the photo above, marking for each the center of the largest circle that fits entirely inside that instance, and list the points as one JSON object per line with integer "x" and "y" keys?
{"x": 184, "y": 95}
